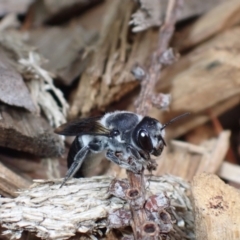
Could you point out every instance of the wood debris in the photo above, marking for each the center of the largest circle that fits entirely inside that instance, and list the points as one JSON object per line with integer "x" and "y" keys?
{"x": 12, "y": 6}
{"x": 77, "y": 58}
{"x": 147, "y": 16}
{"x": 44, "y": 94}
{"x": 227, "y": 168}
{"x": 61, "y": 11}
{"x": 13, "y": 90}
{"x": 64, "y": 49}
{"x": 24, "y": 132}
{"x": 11, "y": 182}
{"x": 85, "y": 206}
{"x": 108, "y": 76}
{"x": 216, "y": 207}
{"x": 21, "y": 130}
{"x": 220, "y": 18}
{"x": 187, "y": 160}
{"x": 203, "y": 75}
{"x": 151, "y": 13}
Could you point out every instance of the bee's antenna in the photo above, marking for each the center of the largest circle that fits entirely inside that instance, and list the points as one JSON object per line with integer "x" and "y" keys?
{"x": 174, "y": 119}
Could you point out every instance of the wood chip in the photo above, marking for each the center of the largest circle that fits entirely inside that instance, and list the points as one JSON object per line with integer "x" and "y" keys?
{"x": 221, "y": 17}
{"x": 152, "y": 12}
{"x": 11, "y": 182}
{"x": 13, "y": 90}
{"x": 206, "y": 79}
{"x": 64, "y": 48}
{"x": 108, "y": 76}
{"x": 12, "y": 6}
{"x": 216, "y": 207}
{"x": 187, "y": 160}
{"x": 230, "y": 172}
{"x": 56, "y": 6}
{"x": 25, "y": 132}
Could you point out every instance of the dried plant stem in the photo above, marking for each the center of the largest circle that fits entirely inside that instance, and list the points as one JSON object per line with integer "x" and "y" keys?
{"x": 162, "y": 56}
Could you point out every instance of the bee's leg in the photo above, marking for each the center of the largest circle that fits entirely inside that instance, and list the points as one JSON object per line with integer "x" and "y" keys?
{"x": 90, "y": 161}
{"x": 77, "y": 162}
{"x": 124, "y": 160}
{"x": 110, "y": 155}
{"x": 138, "y": 154}
{"x": 133, "y": 151}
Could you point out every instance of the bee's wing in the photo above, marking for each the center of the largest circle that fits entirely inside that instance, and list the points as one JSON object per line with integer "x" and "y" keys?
{"x": 90, "y": 126}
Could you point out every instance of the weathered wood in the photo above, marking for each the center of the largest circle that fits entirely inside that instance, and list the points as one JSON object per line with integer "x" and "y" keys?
{"x": 84, "y": 206}
{"x": 55, "y": 6}
{"x": 13, "y": 90}
{"x": 63, "y": 47}
{"x": 212, "y": 162}
{"x": 221, "y": 17}
{"x": 187, "y": 160}
{"x": 25, "y": 132}
{"x": 206, "y": 79}
{"x": 33, "y": 167}
{"x": 48, "y": 99}
{"x": 216, "y": 208}
{"x": 151, "y": 13}
{"x": 193, "y": 8}
{"x": 230, "y": 172}
{"x": 11, "y": 182}
{"x": 12, "y": 6}
{"x": 108, "y": 76}
{"x": 59, "y": 12}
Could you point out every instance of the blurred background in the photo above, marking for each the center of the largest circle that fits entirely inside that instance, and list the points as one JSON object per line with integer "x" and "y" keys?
{"x": 66, "y": 59}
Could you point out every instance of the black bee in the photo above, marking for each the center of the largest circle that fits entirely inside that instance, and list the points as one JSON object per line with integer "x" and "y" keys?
{"x": 127, "y": 139}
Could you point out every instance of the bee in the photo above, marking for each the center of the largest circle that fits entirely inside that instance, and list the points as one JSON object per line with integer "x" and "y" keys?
{"x": 127, "y": 139}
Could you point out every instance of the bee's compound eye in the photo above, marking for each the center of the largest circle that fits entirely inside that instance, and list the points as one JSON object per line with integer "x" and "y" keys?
{"x": 144, "y": 140}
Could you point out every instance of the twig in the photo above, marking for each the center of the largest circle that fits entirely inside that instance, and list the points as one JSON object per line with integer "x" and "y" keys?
{"x": 142, "y": 226}
{"x": 162, "y": 56}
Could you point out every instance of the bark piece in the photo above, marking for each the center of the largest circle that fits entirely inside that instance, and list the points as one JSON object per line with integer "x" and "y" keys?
{"x": 61, "y": 11}
{"x": 216, "y": 207}
{"x": 13, "y": 90}
{"x": 108, "y": 76}
{"x": 221, "y": 17}
{"x": 83, "y": 205}
{"x": 48, "y": 99}
{"x": 147, "y": 16}
{"x": 230, "y": 172}
{"x": 11, "y": 182}
{"x": 206, "y": 79}
{"x": 25, "y": 132}
{"x": 187, "y": 160}
{"x": 193, "y": 8}
{"x": 12, "y": 6}
{"x": 32, "y": 167}
{"x": 64, "y": 48}
{"x": 152, "y": 12}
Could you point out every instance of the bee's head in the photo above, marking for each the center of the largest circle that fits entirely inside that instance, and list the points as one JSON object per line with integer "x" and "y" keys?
{"x": 148, "y": 135}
